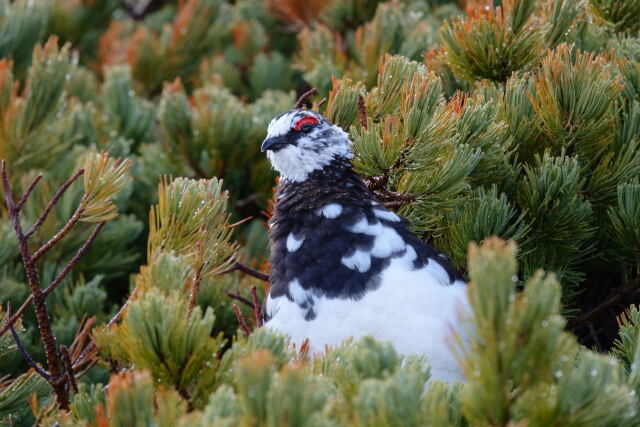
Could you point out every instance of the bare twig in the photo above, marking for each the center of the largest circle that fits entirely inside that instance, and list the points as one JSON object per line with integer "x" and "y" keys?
{"x": 362, "y": 112}
{"x": 92, "y": 348}
{"x": 52, "y": 203}
{"x": 304, "y": 97}
{"x": 240, "y": 298}
{"x": 594, "y": 335}
{"x": 257, "y": 308}
{"x": 28, "y": 191}
{"x": 251, "y": 272}
{"x": 72, "y": 263}
{"x": 66, "y": 360}
{"x": 23, "y": 351}
{"x": 88, "y": 353}
{"x": 87, "y": 368}
{"x": 193, "y": 293}
{"x": 59, "y": 235}
{"x": 200, "y": 173}
{"x": 394, "y": 204}
{"x": 42, "y": 315}
{"x": 77, "y": 346}
{"x": 246, "y": 201}
{"x": 5, "y": 381}
{"x": 13, "y": 319}
{"x": 83, "y": 250}
{"x": 618, "y": 296}
{"x": 304, "y": 349}
{"x": 241, "y": 322}
{"x": 393, "y": 199}
{"x": 237, "y": 223}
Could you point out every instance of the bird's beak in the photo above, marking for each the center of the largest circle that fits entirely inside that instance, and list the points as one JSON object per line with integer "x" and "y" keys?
{"x": 274, "y": 143}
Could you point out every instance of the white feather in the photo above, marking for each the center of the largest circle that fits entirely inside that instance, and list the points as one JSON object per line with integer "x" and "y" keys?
{"x": 298, "y": 294}
{"x": 385, "y": 214}
{"x": 359, "y": 260}
{"x": 331, "y": 210}
{"x": 295, "y": 164}
{"x": 293, "y": 243}
{"x": 280, "y": 125}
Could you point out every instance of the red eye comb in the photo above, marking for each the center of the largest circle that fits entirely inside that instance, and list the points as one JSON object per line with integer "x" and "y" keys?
{"x": 308, "y": 120}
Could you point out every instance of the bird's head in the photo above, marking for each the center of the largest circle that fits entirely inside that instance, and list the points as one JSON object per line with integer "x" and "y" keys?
{"x": 301, "y": 141}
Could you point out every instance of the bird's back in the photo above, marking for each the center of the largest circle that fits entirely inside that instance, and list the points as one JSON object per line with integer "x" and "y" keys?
{"x": 343, "y": 265}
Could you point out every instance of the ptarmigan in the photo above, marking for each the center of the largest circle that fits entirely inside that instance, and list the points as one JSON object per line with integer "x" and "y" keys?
{"x": 343, "y": 265}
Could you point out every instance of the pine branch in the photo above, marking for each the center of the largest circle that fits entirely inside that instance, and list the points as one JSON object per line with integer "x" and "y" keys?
{"x": 379, "y": 182}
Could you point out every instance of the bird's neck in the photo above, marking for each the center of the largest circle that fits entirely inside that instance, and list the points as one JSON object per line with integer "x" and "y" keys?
{"x": 334, "y": 183}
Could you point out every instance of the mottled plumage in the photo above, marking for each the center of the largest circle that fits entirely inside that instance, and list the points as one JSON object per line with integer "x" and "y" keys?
{"x": 341, "y": 263}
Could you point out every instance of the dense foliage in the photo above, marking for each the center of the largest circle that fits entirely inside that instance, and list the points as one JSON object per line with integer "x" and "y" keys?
{"x": 519, "y": 119}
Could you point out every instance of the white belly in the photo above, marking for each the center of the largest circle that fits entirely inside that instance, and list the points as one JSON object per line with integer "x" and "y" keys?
{"x": 409, "y": 309}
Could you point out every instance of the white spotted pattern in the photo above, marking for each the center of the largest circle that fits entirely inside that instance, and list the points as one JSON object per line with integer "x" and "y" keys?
{"x": 385, "y": 214}
{"x": 331, "y": 210}
{"x": 359, "y": 260}
{"x": 387, "y": 241}
{"x": 298, "y": 294}
{"x": 293, "y": 243}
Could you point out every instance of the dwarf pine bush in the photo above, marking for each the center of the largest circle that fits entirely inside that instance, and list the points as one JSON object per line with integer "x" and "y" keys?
{"x": 132, "y": 222}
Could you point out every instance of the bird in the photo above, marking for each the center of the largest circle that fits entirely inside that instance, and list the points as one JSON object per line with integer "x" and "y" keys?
{"x": 342, "y": 264}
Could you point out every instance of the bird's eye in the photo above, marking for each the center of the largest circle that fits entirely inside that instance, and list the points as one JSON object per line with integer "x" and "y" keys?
{"x": 305, "y": 124}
